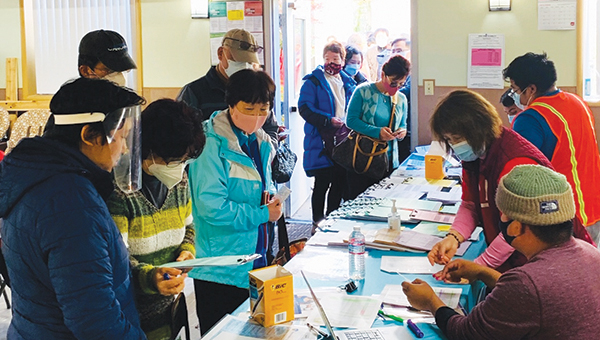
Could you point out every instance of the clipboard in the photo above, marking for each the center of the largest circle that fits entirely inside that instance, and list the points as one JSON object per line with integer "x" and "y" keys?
{"x": 215, "y": 261}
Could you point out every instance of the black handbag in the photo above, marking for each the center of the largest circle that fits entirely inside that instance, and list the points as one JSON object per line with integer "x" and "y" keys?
{"x": 363, "y": 154}
{"x": 333, "y": 137}
{"x": 283, "y": 164}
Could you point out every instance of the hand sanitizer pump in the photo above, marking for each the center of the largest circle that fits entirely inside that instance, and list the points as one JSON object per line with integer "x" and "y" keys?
{"x": 394, "y": 218}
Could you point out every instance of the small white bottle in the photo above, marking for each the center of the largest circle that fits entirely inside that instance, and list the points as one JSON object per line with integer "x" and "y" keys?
{"x": 394, "y": 218}
{"x": 356, "y": 252}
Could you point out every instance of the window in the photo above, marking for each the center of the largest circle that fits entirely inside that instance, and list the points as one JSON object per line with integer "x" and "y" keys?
{"x": 589, "y": 51}
{"x": 51, "y": 31}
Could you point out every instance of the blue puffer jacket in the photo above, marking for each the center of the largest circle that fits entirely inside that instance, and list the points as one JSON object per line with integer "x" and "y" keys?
{"x": 226, "y": 192}
{"x": 317, "y": 106}
{"x": 67, "y": 262}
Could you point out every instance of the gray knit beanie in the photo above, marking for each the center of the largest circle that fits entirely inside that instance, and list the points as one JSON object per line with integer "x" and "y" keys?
{"x": 535, "y": 195}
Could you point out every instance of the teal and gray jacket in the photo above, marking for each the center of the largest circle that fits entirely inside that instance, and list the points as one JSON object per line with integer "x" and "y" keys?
{"x": 226, "y": 192}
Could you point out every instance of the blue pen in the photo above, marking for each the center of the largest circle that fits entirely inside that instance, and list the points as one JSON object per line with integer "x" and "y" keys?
{"x": 415, "y": 329}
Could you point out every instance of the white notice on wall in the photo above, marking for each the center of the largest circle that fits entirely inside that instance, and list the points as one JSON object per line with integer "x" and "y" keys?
{"x": 557, "y": 14}
{"x": 486, "y": 61}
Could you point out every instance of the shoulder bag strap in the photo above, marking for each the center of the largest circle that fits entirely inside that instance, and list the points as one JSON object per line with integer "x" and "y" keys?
{"x": 282, "y": 234}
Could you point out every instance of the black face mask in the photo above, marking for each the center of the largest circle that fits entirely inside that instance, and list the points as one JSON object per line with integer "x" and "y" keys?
{"x": 504, "y": 230}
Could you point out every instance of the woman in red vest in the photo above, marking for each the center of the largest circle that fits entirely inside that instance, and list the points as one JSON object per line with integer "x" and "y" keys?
{"x": 471, "y": 127}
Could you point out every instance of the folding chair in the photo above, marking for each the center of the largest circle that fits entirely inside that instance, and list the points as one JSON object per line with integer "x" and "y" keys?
{"x": 27, "y": 125}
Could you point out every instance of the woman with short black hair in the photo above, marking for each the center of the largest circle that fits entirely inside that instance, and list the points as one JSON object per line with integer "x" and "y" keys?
{"x": 231, "y": 182}
{"x": 353, "y": 63}
{"x": 156, "y": 221}
{"x": 370, "y": 112}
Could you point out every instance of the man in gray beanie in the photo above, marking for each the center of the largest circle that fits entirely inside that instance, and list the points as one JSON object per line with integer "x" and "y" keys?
{"x": 553, "y": 295}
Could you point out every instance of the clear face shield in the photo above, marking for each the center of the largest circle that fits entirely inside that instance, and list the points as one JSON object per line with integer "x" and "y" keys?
{"x": 123, "y": 135}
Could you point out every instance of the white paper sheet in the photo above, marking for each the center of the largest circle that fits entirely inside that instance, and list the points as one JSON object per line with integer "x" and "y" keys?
{"x": 233, "y": 328}
{"x": 486, "y": 61}
{"x": 408, "y": 265}
{"x": 215, "y": 261}
{"x": 557, "y": 14}
{"x": 347, "y": 311}
{"x": 393, "y": 295}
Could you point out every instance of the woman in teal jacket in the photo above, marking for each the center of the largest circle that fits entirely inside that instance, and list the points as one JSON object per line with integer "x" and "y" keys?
{"x": 227, "y": 183}
{"x": 369, "y": 113}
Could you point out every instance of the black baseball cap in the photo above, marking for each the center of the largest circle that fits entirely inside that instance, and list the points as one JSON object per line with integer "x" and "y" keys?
{"x": 109, "y": 47}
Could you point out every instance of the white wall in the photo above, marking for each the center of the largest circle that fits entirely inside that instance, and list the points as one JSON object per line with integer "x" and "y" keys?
{"x": 10, "y": 36}
{"x": 176, "y": 47}
{"x": 444, "y": 27}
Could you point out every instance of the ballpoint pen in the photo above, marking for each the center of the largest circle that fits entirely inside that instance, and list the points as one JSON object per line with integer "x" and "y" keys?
{"x": 393, "y": 317}
{"x": 413, "y": 327}
{"x": 316, "y": 330}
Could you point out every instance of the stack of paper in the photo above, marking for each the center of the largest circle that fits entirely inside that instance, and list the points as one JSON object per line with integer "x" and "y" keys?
{"x": 393, "y": 295}
{"x": 424, "y": 215}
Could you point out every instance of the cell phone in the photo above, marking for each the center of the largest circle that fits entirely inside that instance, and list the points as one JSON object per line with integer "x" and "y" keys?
{"x": 283, "y": 133}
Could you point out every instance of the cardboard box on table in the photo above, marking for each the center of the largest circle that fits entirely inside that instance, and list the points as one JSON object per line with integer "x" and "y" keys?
{"x": 271, "y": 295}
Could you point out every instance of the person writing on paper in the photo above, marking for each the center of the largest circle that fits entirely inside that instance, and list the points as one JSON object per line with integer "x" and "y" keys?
{"x": 469, "y": 125}
{"x": 370, "y": 112}
{"x": 230, "y": 183}
{"x": 547, "y": 297}
{"x": 156, "y": 221}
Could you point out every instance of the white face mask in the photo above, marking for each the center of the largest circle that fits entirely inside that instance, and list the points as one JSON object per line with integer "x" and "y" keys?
{"x": 511, "y": 118}
{"x": 235, "y": 66}
{"x": 168, "y": 175}
{"x": 116, "y": 77}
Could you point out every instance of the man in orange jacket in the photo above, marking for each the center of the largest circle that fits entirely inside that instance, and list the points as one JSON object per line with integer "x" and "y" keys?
{"x": 561, "y": 125}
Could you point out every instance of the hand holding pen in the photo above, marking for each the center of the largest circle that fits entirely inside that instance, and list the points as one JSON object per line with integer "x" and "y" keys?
{"x": 169, "y": 281}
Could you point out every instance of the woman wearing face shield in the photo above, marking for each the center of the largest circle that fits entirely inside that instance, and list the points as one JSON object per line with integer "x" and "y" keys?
{"x": 370, "y": 112}
{"x": 156, "y": 221}
{"x": 230, "y": 184}
{"x": 471, "y": 127}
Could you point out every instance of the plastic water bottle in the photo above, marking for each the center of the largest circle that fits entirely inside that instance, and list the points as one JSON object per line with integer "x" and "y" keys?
{"x": 356, "y": 250}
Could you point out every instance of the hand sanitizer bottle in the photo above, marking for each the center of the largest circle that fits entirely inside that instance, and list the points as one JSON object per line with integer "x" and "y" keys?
{"x": 394, "y": 218}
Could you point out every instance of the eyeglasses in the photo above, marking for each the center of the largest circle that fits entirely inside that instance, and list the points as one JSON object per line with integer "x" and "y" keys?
{"x": 173, "y": 164}
{"x": 243, "y": 45}
{"x": 395, "y": 83}
{"x": 513, "y": 91}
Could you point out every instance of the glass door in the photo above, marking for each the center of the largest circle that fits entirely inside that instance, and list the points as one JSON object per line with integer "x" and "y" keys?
{"x": 288, "y": 40}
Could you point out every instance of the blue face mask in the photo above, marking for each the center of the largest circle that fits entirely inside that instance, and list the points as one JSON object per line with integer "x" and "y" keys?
{"x": 464, "y": 151}
{"x": 351, "y": 69}
{"x": 517, "y": 98}
{"x": 511, "y": 118}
